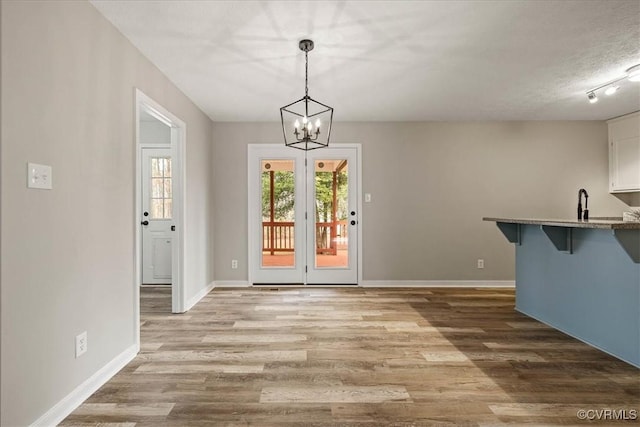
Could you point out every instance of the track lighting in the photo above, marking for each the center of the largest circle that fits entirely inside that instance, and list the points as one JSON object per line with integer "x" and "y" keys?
{"x": 632, "y": 74}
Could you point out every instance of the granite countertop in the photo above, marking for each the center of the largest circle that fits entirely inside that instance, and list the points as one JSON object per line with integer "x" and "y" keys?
{"x": 596, "y": 222}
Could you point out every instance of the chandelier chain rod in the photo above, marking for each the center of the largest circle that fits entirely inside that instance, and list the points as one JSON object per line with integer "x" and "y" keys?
{"x": 306, "y": 83}
{"x": 306, "y": 74}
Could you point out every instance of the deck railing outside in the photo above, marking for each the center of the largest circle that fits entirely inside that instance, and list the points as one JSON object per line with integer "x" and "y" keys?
{"x": 279, "y": 236}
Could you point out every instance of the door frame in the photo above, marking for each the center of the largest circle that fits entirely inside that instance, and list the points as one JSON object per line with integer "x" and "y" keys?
{"x": 178, "y": 138}
{"x": 253, "y": 192}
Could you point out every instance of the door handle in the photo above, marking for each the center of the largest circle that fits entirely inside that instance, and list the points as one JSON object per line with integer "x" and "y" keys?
{"x": 145, "y": 222}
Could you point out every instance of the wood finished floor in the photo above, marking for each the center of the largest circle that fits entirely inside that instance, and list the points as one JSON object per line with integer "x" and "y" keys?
{"x": 354, "y": 356}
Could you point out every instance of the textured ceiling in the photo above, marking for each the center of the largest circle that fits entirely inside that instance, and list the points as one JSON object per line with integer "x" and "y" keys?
{"x": 392, "y": 60}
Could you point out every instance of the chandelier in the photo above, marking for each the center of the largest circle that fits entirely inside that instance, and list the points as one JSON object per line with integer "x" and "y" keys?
{"x": 306, "y": 123}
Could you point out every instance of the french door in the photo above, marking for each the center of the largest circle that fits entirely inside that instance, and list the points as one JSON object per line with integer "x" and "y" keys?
{"x": 303, "y": 215}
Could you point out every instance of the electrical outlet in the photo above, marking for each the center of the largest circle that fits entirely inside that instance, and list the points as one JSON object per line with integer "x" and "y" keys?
{"x": 234, "y": 264}
{"x": 81, "y": 344}
{"x": 480, "y": 263}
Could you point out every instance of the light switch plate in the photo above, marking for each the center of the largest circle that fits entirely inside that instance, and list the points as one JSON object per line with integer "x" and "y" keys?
{"x": 367, "y": 197}
{"x": 39, "y": 176}
{"x": 81, "y": 344}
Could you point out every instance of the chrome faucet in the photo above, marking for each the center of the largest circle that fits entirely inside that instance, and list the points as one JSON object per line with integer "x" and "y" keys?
{"x": 583, "y": 215}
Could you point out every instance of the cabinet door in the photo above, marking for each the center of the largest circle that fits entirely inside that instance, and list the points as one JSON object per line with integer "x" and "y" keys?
{"x": 624, "y": 153}
{"x": 626, "y": 164}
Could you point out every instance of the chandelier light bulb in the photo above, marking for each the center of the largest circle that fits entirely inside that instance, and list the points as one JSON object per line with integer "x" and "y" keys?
{"x": 318, "y": 124}
{"x": 296, "y": 124}
{"x": 309, "y": 126}
{"x": 611, "y": 90}
{"x": 304, "y": 120}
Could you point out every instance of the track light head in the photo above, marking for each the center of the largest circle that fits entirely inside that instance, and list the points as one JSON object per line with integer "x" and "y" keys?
{"x": 611, "y": 90}
{"x": 592, "y": 97}
{"x": 633, "y": 73}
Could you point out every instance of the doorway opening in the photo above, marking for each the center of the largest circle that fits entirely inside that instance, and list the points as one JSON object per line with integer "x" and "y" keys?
{"x": 159, "y": 208}
{"x": 303, "y": 215}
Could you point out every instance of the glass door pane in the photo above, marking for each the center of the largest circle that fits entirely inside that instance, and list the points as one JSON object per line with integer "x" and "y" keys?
{"x": 160, "y": 197}
{"x": 331, "y": 181}
{"x": 278, "y": 213}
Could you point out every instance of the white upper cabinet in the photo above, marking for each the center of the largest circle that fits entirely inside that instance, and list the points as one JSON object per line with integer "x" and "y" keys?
{"x": 624, "y": 153}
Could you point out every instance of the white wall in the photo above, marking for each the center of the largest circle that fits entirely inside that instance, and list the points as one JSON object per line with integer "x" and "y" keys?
{"x": 431, "y": 184}
{"x": 68, "y": 83}
{"x": 154, "y": 132}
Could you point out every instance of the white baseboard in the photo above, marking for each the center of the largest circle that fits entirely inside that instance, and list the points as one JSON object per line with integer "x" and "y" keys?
{"x": 232, "y": 284}
{"x": 398, "y": 284}
{"x": 197, "y": 297}
{"x": 438, "y": 283}
{"x": 81, "y": 393}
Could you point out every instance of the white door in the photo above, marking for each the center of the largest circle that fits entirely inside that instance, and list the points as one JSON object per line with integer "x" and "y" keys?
{"x": 303, "y": 218}
{"x": 332, "y": 212}
{"x": 276, "y": 215}
{"x": 157, "y": 215}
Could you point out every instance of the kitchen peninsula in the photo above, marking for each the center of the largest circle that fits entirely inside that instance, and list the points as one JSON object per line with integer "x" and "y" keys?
{"x": 580, "y": 277}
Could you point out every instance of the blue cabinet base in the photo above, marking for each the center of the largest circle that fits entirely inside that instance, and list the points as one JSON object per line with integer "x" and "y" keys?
{"x": 591, "y": 292}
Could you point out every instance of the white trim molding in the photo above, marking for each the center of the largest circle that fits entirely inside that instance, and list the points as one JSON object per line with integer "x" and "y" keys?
{"x": 178, "y": 142}
{"x": 197, "y": 297}
{"x": 438, "y": 283}
{"x": 81, "y": 393}
{"x": 392, "y": 284}
{"x": 231, "y": 284}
